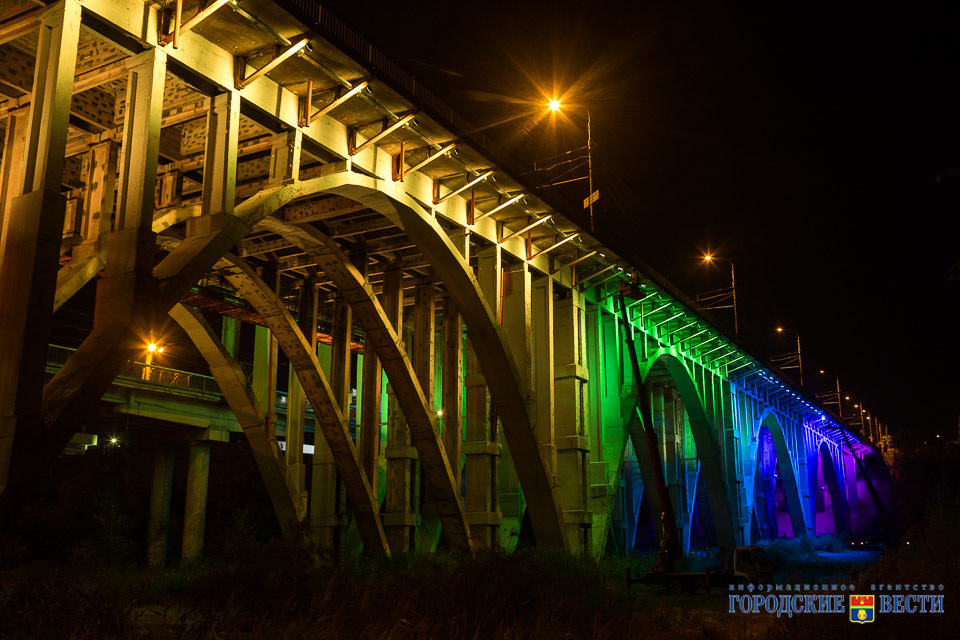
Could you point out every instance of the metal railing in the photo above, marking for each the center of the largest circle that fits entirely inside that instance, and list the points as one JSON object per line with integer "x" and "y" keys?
{"x": 142, "y": 374}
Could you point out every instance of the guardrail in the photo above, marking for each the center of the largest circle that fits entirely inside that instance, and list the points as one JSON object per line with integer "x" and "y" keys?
{"x": 142, "y": 374}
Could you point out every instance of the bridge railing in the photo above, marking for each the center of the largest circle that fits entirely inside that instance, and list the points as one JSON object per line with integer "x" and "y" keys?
{"x": 143, "y": 374}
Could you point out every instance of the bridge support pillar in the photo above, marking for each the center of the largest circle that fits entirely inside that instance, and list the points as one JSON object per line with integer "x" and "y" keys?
{"x": 264, "y": 384}
{"x": 32, "y": 229}
{"x": 371, "y": 384}
{"x": 195, "y": 508}
{"x": 572, "y": 436}
{"x": 158, "y": 521}
{"x": 296, "y": 400}
{"x": 850, "y": 481}
{"x": 326, "y": 499}
{"x": 424, "y": 344}
{"x": 481, "y": 447}
{"x": 11, "y": 168}
{"x": 400, "y": 510}
{"x": 452, "y": 374}
{"x": 517, "y": 328}
{"x": 452, "y": 381}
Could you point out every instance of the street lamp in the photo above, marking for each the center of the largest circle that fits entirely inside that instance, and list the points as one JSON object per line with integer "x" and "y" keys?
{"x": 787, "y": 357}
{"x": 840, "y": 397}
{"x": 733, "y": 289}
{"x": 554, "y": 106}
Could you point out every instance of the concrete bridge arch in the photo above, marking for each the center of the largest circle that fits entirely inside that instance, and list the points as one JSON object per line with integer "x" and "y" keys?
{"x": 791, "y": 488}
{"x": 702, "y": 429}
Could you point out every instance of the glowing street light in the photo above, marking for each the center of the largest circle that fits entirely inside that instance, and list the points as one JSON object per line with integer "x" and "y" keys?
{"x": 554, "y": 106}
{"x": 840, "y": 397}
{"x": 799, "y": 353}
{"x": 708, "y": 258}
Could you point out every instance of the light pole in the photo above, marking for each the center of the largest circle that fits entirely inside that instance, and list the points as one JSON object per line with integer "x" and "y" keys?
{"x": 840, "y": 398}
{"x": 799, "y": 353}
{"x": 733, "y": 288}
{"x": 554, "y": 106}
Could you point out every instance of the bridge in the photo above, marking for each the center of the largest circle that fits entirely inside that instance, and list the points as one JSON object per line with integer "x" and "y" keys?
{"x": 463, "y": 361}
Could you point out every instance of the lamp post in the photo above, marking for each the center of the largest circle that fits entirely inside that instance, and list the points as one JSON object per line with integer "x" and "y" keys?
{"x": 799, "y": 352}
{"x": 554, "y": 106}
{"x": 840, "y": 398}
{"x": 708, "y": 258}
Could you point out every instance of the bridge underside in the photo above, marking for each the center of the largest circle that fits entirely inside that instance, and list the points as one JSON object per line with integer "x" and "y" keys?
{"x": 453, "y": 364}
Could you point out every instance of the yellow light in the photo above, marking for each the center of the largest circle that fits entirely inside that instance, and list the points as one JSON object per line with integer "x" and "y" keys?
{"x": 554, "y": 105}
{"x": 779, "y": 329}
{"x": 113, "y": 441}
{"x": 159, "y": 349}
{"x": 151, "y": 347}
{"x": 707, "y": 258}
{"x": 821, "y": 370}
{"x": 440, "y": 413}
{"x": 846, "y": 397}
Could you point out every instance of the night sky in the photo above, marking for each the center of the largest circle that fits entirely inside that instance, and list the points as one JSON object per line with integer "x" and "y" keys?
{"x": 815, "y": 146}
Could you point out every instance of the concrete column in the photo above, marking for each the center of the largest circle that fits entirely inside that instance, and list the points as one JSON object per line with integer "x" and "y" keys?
{"x": 452, "y": 377}
{"x": 369, "y": 437}
{"x": 265, "y": 354}
{"x": 850, "y": 481}
{"x": 296, "y": 400}
{"x": 481, "y": 447}
{"x": 325, "y": 492}
{"x": 573, "y": 445}
{"x": 230, "y": 335}
{"x": 98, "y": 197}
{"x": 32, "y": 228}
{"x": 195, "y": 507}
{"x": 158, "y": 521}
{"x": 11, "y": 166}
{"x": 516, "y": 321}
{"x": 424, "y": 365}
{"x": 400, "y": 516}
{"x": 285, "y": 157}
{"x": 220, "y": 155}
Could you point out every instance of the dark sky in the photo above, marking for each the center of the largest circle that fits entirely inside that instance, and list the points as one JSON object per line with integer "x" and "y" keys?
{"x": 801, "y": 140}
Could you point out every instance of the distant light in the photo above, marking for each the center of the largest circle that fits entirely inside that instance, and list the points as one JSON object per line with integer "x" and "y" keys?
{"x": 707, "y": 258}
{"x": 440, "y": 415}
{"x": 846, "y": 397}
{"x": 554, "y": 105}
{"x": 779, "y": 329}
{"x": 821, "y": 370}
{"x": 938, "y": 435}
{"x": 114, "y": 440}
{"x": 152, "y": 347}
{"x": 159, "y": 349}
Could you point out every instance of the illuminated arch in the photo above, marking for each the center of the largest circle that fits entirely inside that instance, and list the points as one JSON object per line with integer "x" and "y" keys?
{"x": 496, "y": 360}
{"x": 791, "y": 490}
{"x": 708, "y": 452}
